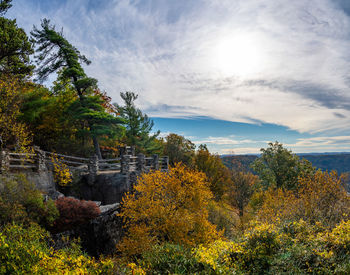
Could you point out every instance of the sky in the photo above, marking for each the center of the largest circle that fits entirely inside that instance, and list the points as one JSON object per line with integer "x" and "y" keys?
{"x": 232, "y": 74}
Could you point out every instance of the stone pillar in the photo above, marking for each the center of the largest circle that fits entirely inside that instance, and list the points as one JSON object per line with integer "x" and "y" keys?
{"x": 132, "y": 149}
{"x": 165, "y": 163}
{"x": 125, "y": 170}
{"x": 92, "y": 169}
{"x": 141, "y": 163}
{"x": 41, "y": 160}
{"x": 5, "y": 161}
{"x": 122, "y": 151}
{"x": 124, "y": 164}
{"x": 155, "y": 161}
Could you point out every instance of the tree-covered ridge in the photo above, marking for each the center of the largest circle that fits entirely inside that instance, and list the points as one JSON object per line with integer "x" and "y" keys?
{"x": 325, "y": 162}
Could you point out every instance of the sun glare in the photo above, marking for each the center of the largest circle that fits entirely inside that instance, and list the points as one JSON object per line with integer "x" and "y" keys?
{"x": 238, "y": 55}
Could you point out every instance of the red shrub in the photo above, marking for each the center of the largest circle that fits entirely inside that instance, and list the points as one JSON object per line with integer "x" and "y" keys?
{"x": 74, "y": 212}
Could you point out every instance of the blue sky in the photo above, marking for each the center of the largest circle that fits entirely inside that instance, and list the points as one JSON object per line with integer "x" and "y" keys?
{"x": 234, "y": 74}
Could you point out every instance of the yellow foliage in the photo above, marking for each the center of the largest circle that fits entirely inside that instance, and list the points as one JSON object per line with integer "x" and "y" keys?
{"x": 12, "y": 132}
{"x": 25, "y": 251}
{"x": 320, "y": 198}
{"x": 62, "y": 173}
{"x": 167, "y": 206}
{"x": 217, "y": 255}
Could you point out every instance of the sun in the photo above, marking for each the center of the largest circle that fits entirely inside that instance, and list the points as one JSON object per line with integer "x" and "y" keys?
{"x": 238, "y": 55}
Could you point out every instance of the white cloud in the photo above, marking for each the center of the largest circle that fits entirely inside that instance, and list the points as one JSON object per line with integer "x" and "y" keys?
{"x": 230, "y": 140}
{"x": 240, "y": 151}
{"x": 167, "y": 55}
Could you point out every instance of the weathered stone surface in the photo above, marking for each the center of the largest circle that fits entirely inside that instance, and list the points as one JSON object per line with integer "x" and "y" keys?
{"x": 43, "y": 180}
{"x": 109, "y": 208}
{"x": 54, "y": 194}
{"x": 108, "y": 187}
{"x": 100, "y": 235}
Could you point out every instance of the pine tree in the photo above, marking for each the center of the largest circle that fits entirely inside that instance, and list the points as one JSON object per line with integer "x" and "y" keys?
{"x": 138, "y": 126}
{"x": 57, "y": 54}
{"x": 15, "y": 47}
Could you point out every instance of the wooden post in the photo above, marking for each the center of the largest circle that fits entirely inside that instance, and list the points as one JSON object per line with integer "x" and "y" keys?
{"x": 155, "y": 162}
{"x": 140, "y": 163}
{"x": 5, "y": 161}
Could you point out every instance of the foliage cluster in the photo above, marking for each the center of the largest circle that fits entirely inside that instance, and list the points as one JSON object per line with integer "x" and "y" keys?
{"x": 21, "y": 202}
{"x": 320, "y": 198}
{"x": 280, "y": 168}
{"x": 294, "y": 248}
{"x": 74, "y": 212}
{"x": 62, "y": 174}
{"x": 169, "y": 259}
{"x": 25, "y": 250}
{"x": 13, "y": 133}
{"x": 138, "y": 126}
{"x": 167, "y": 207}
{"x": 15, "y": 46}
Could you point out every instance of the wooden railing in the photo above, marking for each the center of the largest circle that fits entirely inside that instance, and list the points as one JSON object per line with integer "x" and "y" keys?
{"x": 42, "y": 160}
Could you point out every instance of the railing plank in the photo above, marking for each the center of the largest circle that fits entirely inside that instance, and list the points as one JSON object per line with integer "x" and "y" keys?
{"x": 22, "y": 154}
{"x": 65, "y": 156}
{"x": 23, "y": 160}
{"x": 22, "y": 166}
{"x": 107, "y": 160}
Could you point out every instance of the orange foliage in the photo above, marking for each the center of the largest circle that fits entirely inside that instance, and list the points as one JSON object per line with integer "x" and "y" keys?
{"x": 320, "y": 198}
{"x": 167, "y": 207}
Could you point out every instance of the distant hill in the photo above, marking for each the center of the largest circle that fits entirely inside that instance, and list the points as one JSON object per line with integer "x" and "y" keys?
{"x": 324, "y": 161}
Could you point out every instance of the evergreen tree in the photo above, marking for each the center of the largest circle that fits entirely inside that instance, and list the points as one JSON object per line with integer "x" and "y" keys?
{"x": 4, "y": 6}
{"x": 56, "y": 53}
{"x": 138, "y": 126}
{"x": 15, "y": 47}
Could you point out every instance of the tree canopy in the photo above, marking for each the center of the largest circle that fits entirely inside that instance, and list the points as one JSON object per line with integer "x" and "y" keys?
{"x": 179, "y": 149}
{"x": 55, "y": 53}
{"x": 15, "y": 47}
{"x": 138, "y": 125}
{"x": 279, "y": 167}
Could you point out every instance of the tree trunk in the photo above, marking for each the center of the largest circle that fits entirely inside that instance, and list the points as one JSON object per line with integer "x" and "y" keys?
{"x": 97, "y": 147}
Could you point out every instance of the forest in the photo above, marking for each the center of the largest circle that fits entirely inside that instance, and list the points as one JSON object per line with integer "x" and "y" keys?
{"x": 283, "y": 215}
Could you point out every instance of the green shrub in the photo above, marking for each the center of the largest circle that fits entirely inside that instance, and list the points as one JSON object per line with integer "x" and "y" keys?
{"x": 225, "y": 217}
{"x": 21, "y": 202}
{"x": 25, "y": 250}
{"x": 172, "y": 259}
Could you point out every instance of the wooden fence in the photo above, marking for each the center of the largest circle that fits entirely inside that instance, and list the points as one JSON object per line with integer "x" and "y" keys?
{"x": 42, "y": 160}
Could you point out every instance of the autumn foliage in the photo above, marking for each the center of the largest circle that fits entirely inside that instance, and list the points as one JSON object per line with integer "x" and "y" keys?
{"x": 167, "y": 207}
{"x": 74, "y": 212}
{"x": 320, "y": 198}
{"x": 13, "y": 133}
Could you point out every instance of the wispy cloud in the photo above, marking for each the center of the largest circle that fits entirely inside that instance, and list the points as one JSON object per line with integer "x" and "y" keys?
{"x": 230, "y": 140}
{"x": 167, "y": 51}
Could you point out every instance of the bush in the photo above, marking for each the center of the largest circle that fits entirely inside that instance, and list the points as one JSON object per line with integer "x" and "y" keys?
{"x": 167, "y": 207}
{"x": 172, "y": 259}
{"x": 225, "y": 217}
{"x": 320, "y": 198}
{"x": 74, "y": 212}
{"x": 25, "y": 251}
{"x": 21, "y": 202}
{"x": 292, "y": 248}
